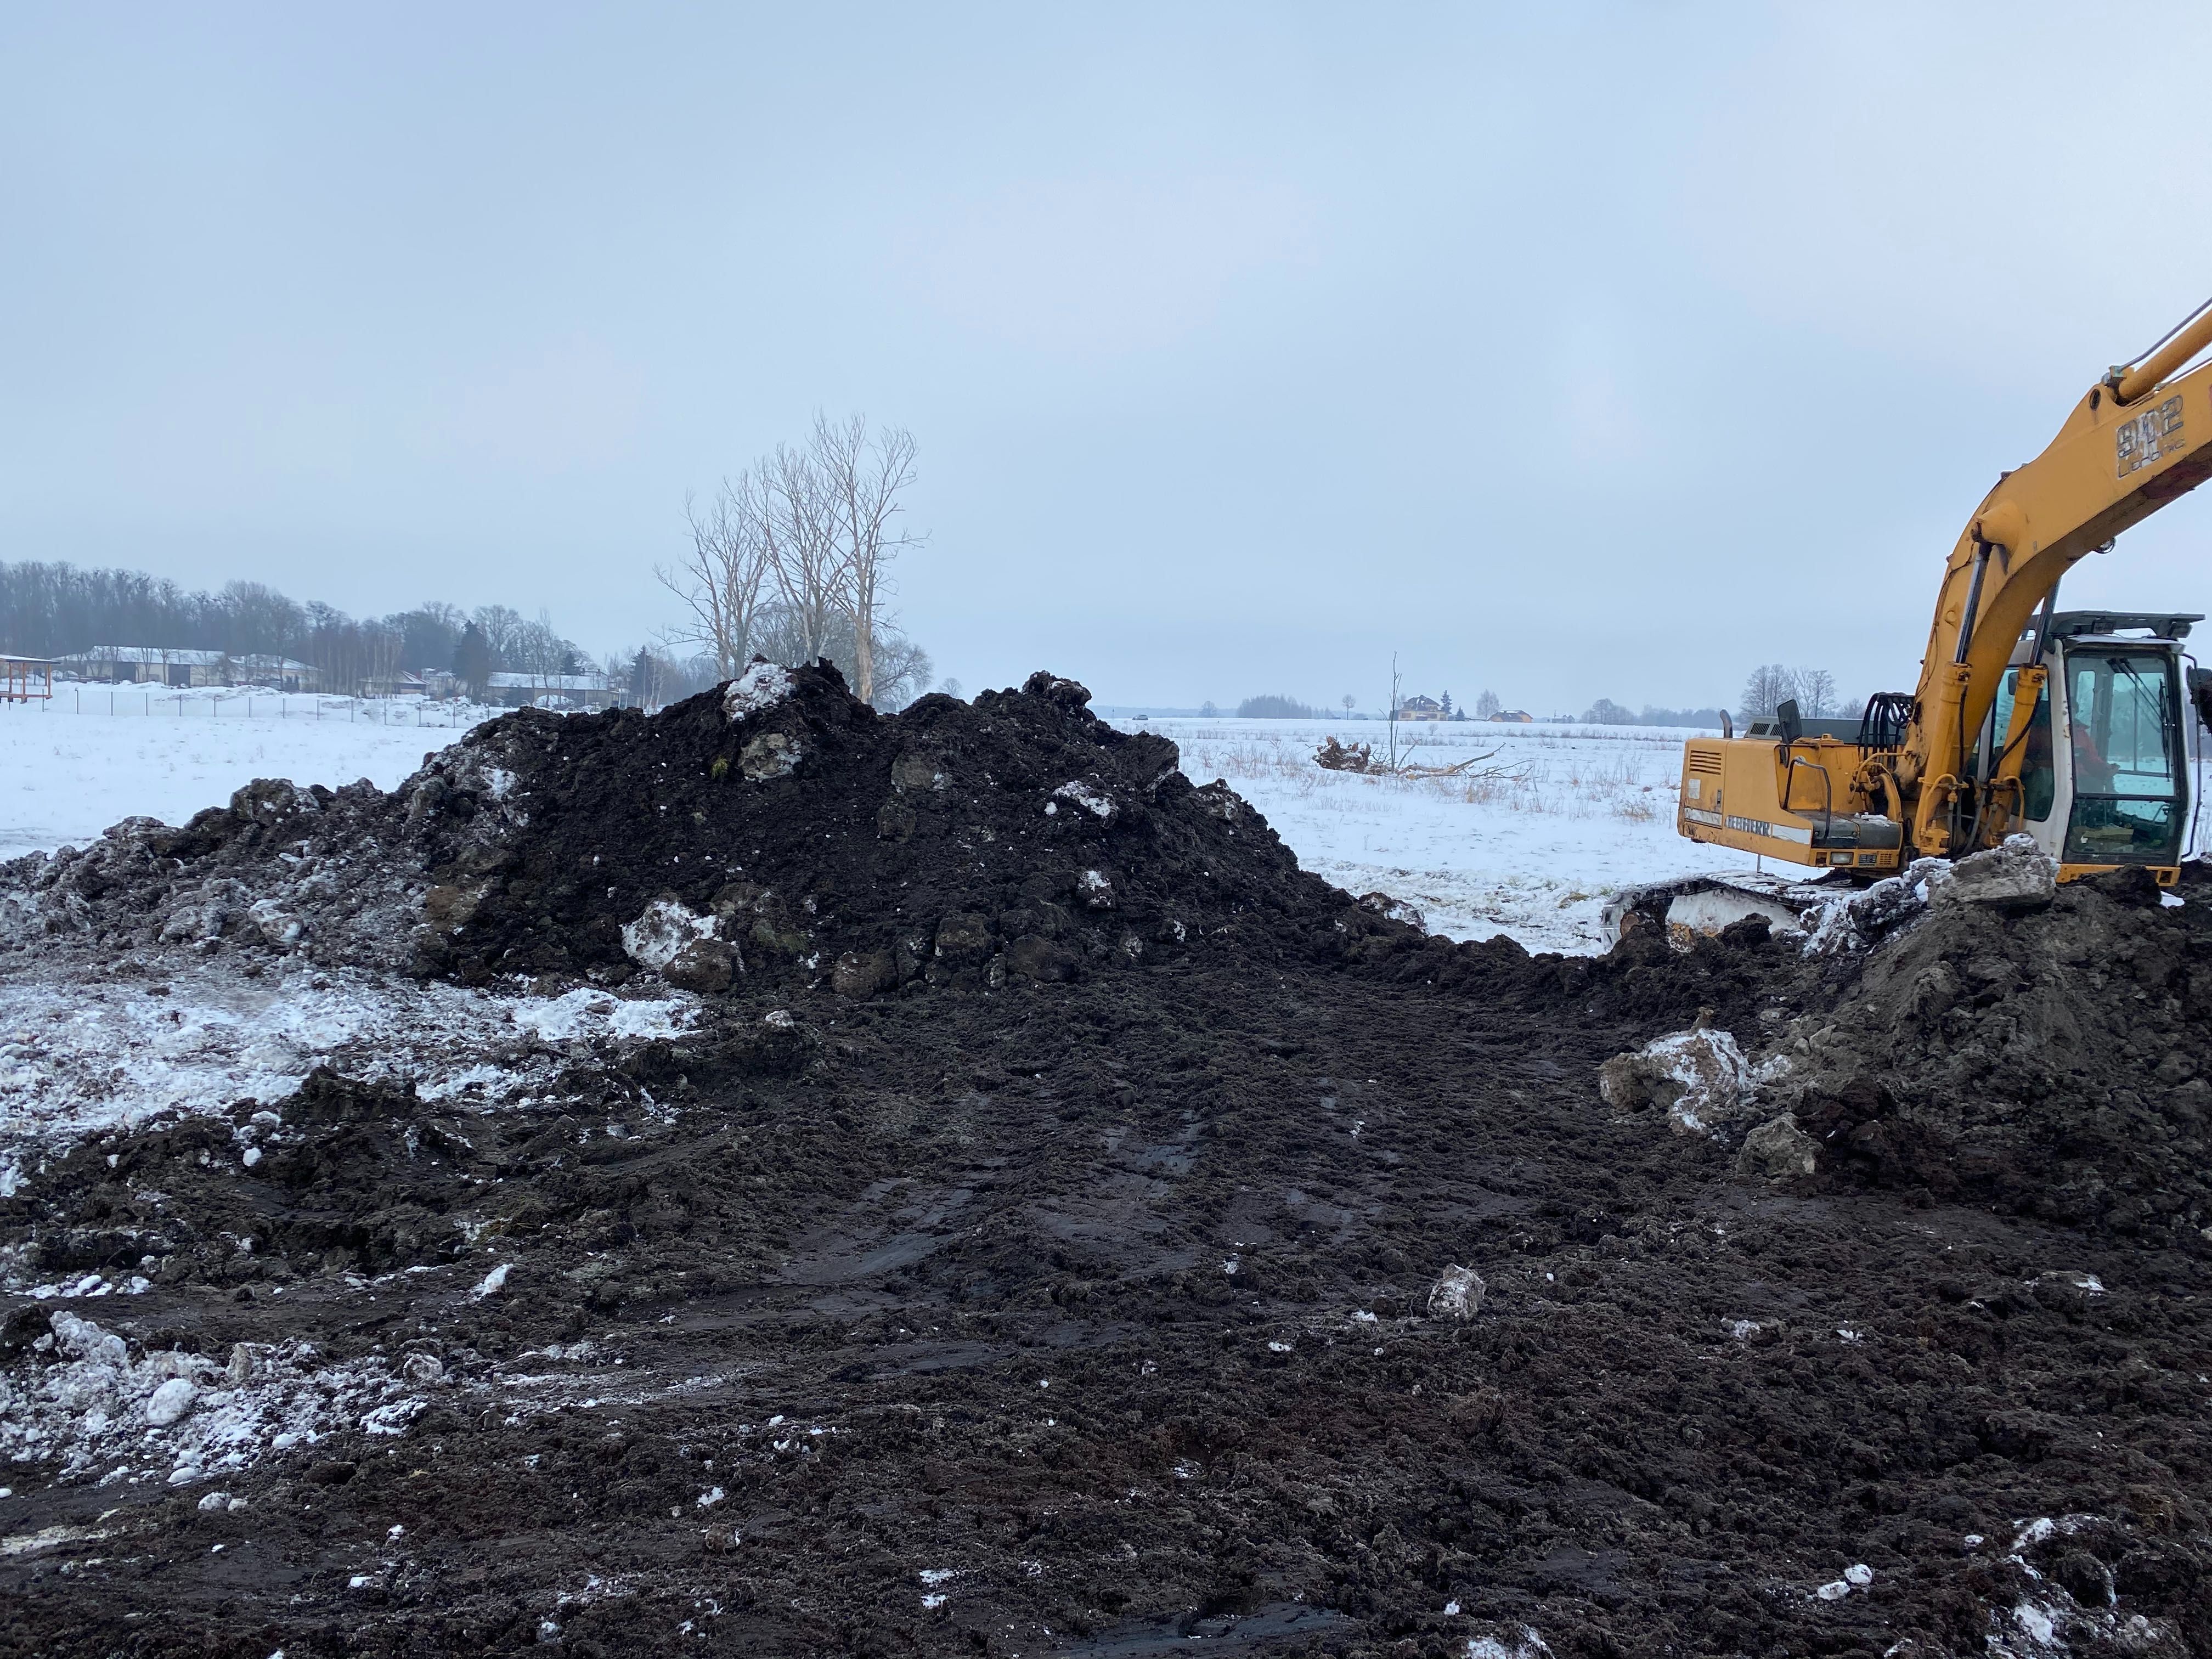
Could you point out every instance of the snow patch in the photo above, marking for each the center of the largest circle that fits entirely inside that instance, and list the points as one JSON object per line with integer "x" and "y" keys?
{"x": 761, "y": 686}
{"x": 1082, "y": 795}
{"x": 2039, "y": 1624}
{"x": 88, "y": 1407}
{"x": 1523, "y": 1643}
{"x": 171, "y": 1401}
{"x": 661, "y": 932}
{"x": 586, "y": 1013}
{"x": 84, "y": 1052}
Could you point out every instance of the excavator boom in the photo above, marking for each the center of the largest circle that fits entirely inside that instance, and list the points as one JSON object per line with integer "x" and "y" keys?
{"x": 2135, "y": 441}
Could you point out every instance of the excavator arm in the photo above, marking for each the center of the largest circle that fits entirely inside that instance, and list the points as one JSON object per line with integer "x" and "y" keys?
{"x": 2138, "y": 439}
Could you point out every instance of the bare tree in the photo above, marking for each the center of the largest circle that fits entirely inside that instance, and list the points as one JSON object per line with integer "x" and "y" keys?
{"x": 1763, "y": 688}
{"x": 259, "y": 620}
{"x": 501, "y": 626}
{"x": 1486, "y": 705}
{"x": 860, "y": 479}
{"x": 381, "y": 648}
{"x": 792, "y": 559}
{"x": 903, "y": 671}
{"x": 1816, "y": 692}
{"x": 724, "y": 580}
{"x": 903, "y": 667}
{"x": 806, "y": 555}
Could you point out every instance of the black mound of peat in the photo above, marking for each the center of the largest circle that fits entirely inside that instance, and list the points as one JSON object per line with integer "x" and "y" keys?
{"x": 809, "y": 839}
{"x": 1192, "y": 1259}
{"x": 776, "y": 832}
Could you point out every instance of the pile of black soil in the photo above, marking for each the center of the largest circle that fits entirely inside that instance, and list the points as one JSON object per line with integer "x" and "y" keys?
{"x": 1192, "y": 1260}
{"x": 2053, "y": 1059}
{"x": 777, "y": 832}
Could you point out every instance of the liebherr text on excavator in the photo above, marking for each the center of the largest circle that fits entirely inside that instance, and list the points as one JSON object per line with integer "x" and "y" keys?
{"x": 2068, "y": 726}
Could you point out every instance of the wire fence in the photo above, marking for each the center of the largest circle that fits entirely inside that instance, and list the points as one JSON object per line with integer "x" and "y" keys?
{"x": 212, "y": 702}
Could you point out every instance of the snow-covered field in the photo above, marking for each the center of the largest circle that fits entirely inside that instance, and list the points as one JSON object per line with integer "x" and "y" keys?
{"x": 1529, "y": 842}
{"x": 70, "y": 769}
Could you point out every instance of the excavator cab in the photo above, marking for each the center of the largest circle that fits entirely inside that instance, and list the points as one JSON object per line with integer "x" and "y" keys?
{"x": 2104, "y": 761}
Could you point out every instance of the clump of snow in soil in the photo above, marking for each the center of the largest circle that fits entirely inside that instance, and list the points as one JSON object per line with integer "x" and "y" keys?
{"x": 1081, "y": 794}
{"x": 1522, "y": 1643}
{"x": 85, "y": 1403}
{"x": 658, "y": 937}
{"x": 761, "y": 686}
{"x": 1457, "y": 1294}
{"x": 1699, "y": 1076}
{"x": 2050, "y": 1619}
{"x": 2016, "y": 874}
{"x": 84, "y": 1052}
{"x": 493, "y": 1282}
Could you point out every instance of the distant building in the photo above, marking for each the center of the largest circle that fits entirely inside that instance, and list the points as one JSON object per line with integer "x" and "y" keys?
{"x": 553, "y": 690}
{"x": 432, "y": 682}
{"x": 1421, "y": 708}
{"x": 153, "y": 665}
{"x": 1515, "y": 717}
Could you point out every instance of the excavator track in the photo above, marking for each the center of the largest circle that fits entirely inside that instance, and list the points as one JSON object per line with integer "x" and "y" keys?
{"x": 1690, "y": 906}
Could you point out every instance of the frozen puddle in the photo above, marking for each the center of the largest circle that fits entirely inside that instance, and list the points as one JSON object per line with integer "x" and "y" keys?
{"x": 87, "y": 1052}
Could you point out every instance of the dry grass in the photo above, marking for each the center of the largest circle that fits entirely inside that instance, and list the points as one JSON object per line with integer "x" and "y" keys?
{"x": 1547, "y": 775}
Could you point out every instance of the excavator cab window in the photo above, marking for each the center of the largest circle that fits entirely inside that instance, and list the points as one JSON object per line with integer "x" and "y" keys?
{"x": 2124, "y": 731}
{"x": 2038, "y": 779}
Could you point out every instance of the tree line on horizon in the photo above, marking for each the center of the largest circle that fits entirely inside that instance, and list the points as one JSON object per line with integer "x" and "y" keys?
{"x": 57, "y": 610}
{"x": 1487, "y": 705}
{"x": 51, "y": 609}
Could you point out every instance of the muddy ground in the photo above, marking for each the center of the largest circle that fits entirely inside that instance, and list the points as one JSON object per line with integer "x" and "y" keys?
{"x": 1079, "y": 1233}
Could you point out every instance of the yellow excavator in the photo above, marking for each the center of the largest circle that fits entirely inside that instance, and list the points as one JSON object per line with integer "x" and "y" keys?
{"x": 2071, "y": 726}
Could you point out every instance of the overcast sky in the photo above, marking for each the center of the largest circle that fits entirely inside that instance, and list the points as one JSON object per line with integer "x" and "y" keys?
{"x": 1604, "y": 351}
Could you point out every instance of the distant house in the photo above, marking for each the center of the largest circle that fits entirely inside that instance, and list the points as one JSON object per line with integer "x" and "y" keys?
{"x": 1418, "y": 707}
{"x": 1515, "y": 717}
{"x": 554, "y": 691}
{"x": 153, "y": 665}
{"x": 408, "y": 683}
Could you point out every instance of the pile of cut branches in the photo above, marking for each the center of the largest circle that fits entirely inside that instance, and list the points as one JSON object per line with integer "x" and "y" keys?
{"x": 1360, "y": 758}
